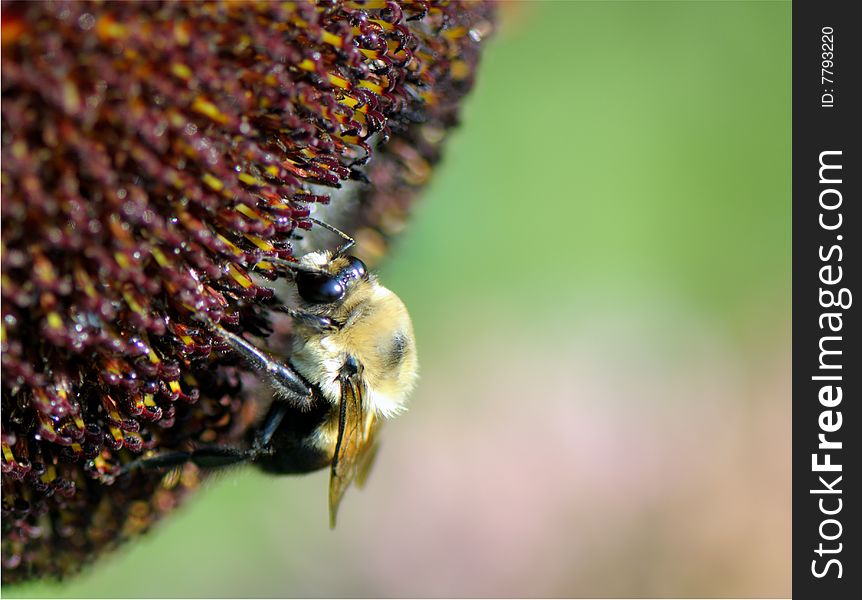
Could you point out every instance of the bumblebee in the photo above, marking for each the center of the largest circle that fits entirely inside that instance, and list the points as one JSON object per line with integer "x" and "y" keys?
{"x": 353, "y": 363}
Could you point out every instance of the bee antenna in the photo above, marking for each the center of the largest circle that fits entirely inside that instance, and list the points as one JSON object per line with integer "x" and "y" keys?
{"x": 294, "y": 266}
{"x": 348, "y": 241}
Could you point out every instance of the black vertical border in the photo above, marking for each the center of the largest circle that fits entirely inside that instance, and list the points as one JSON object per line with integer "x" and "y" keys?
{"x": 817, "y": 129}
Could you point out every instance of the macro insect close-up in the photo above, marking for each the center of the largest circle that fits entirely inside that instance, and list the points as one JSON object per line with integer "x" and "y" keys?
{"x": 170, "y": 305}
{"x": 353, "y": 362}
{"x": 395, "y": 298}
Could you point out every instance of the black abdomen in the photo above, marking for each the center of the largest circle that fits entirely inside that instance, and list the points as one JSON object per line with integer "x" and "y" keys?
{"x": 295, "y": 443}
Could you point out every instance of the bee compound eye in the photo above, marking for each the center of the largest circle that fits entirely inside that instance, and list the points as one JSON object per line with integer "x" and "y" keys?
{"x": 319, "y": 288}
{"x": 355, "y": 268}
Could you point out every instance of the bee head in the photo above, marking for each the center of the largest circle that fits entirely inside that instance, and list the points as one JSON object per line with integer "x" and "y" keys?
{"x": 332, "y": 280}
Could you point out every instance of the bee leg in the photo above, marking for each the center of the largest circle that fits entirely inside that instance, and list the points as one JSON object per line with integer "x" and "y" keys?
{"x": 319, "y": 324}
{"x": 214, "y": 457}
{"x": 205, "y": 457}
{"x": 284, "y": 379}
{"x": 267, "y": 430}
{"x": 166, "y": 460}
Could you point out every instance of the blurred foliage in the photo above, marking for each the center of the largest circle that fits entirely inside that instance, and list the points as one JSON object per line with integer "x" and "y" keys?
{"x": 640, "y": 144}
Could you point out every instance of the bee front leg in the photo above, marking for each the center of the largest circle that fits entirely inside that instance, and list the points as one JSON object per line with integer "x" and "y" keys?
{"x": 289, "y": 385}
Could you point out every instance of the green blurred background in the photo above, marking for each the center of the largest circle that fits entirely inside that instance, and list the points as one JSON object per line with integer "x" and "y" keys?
{"x": 599, "y": 278}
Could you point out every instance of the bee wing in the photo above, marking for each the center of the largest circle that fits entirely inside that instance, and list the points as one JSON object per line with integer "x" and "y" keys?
{"x": 369, "y": 455}
{"x": 355, "y": 446}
